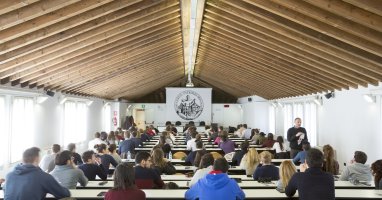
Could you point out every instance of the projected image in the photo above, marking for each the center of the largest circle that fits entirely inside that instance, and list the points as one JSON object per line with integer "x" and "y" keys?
{"x": 188, "y": 105}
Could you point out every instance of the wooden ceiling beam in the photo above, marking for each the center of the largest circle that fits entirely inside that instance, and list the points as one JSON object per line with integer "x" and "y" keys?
{"x": 134, "y": 20}
{"x": 263, "y": 77}
{"x": 32, "y": 11}
{"x": 10, "y": 5}
{"x": 350, "y": 77}
{"x": 310, "y": 23}
{"x": 149, "y": 86}
{"x": 374, "y": 6}
{"x": 300, "y": 33}
{"x": 102, "y": 54}
{"x": 374, "y": 72}
{"x": 114, "y": 68}
{"x": 333, "y": 20}
{"x": 46, "y": 20}
{"x": 115, "y": 88}
{"x": 258, "y": 68}
{"x": 92, "y": 42}
{"x": 278, "y": 62}
{"x": 107, "y": 22}
{"x": 351, "y": 12}
{"x": 133, "y": 70}
{"x": 28, "y": 69}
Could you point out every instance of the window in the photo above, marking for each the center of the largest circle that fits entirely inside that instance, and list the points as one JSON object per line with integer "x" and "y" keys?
{"x": 3, "y": 132}
{"x": 272, "y": 119}
{"x": 107, "y": 118}
{"x": 288, "y": 118}
{"x": 75, "y": 123}
{"x": 22, "y": 127}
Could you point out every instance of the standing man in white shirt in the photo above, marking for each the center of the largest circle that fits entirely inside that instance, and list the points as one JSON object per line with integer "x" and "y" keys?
{"x": 96, "y": 140}
{"x": 47, "y": 162}
{"x": 191, "y": 144}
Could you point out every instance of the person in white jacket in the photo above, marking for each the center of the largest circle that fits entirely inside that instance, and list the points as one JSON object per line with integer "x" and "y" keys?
{"x": 205, "y": 167}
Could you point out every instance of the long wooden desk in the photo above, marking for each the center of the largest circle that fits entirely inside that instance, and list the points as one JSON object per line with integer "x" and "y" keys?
{"x": 244, "y": 184}
{"x": 258, "y": 194}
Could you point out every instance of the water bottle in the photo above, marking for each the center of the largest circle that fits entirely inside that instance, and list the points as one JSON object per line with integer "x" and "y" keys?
{"x": 170, "y": 155}
{"x": 128, "y": 155}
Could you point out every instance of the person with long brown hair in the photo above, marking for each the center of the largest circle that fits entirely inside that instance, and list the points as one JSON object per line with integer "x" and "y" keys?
{"x": 330, "y": 164}
{"x": 250, "y": 161}
{"x": 162, "y": 165}
{"x": 124, "y": 185}
{"x": 376, "y": 168}
{"x": 287, "y": 169}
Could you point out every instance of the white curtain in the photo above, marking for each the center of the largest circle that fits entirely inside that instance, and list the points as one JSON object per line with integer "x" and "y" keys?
{"x": 22, "y": 129}
{"x": 272, "y": 119}
{"x": 75, "y": 123}
{"x": 3, "y": 133}
{"x": 307, "y": 111}
{"x": 107, "y": 118}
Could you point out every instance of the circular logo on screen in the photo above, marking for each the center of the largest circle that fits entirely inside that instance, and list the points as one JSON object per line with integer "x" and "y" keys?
{"x": 188, "y": 105}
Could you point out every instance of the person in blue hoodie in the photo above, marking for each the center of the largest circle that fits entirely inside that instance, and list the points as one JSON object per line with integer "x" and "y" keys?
{"x": 216, "y": 185}
{"x": 28, "y": 182}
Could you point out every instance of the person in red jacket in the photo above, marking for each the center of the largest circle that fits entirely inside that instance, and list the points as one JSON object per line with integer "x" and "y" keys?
{"x": 124, "y": 185}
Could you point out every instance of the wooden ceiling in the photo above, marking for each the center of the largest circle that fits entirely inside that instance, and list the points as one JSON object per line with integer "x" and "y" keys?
{"x": 134, "y": 48}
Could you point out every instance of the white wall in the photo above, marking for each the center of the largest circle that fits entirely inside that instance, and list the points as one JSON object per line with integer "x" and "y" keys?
{"x": 255, "y": 113}
{"x": 226, "y": 116}
{"x": 349, "y": 123}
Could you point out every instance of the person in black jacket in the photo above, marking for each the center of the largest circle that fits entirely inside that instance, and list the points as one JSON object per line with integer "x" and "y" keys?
{"x": 106, "y": 159}
{"x": 92, "y": 167}
{"x": 236, "y": 159}
{"x": 77, "y": 158}
{"x": 160, "y": 164}
{"x": 296, "y": 136}
{"x": 313, "y": 184}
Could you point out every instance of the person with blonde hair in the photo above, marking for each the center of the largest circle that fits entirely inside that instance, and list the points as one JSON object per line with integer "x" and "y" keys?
{"x": 160, "y": 164}
{"x": 250, "y": 161}
{"x": 267, "y": 171}
{"x": 330, "y": 164}
{"x": 286, "y": 171}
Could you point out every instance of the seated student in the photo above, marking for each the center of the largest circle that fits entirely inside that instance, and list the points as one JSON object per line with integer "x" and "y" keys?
{"x": 136, "y": 140}
{"x": 119, "y": 136}
{"x": 111, "y": 139}
{"x": 313, "y": 184}
{"x": 191, "y": 144}
{"x": 113, "y": 152}
{"x": 106, "y": 159}
{"x": 27, "y": 181}
{"x": 255, "y": 135}
{"x": 199, "y": 153}
{"x": 103, "y": 137}
{"x": 330, "y": 164}
{"x": 260, "y": 140}
{"x": 1, "y": 183}
{"x": 66, "y": 173}
{"x": 92, "y": 167}
{"x": 250, "y": 161}
{"x": 47, "y": 161}
{"x": 192, "y": 155}
{"x": 125, "y": 146}
{"x": 357, "y": 170}
{"x": 376, "y": 168}
{"x": 225, "y": 144}
{"x": 216, "y": 184}
{"x": 204, "y": 168}
{"x": 150, "y": 131}
{"x": 95, "y": 141}
{"x": 267, "y": 171}
{"x": 286, "y": 171}
{"x": 124, "y": 185}
{"x": 300, "y": 157}
{"x": 144, "y": 136}
{"x": 77, "y": 158}
{"x": 163, "y": 145}
{"x": 280, "y": 148}
{"x": 219, "y": 137}
{"x": 161, "y": 164}
{"x": 237, "y": 157}
{"x": 240, "y": 130}
{"x": 247, "y": 133}
{"x": 145, "y": 177}
{"x": 269, "y": 142}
